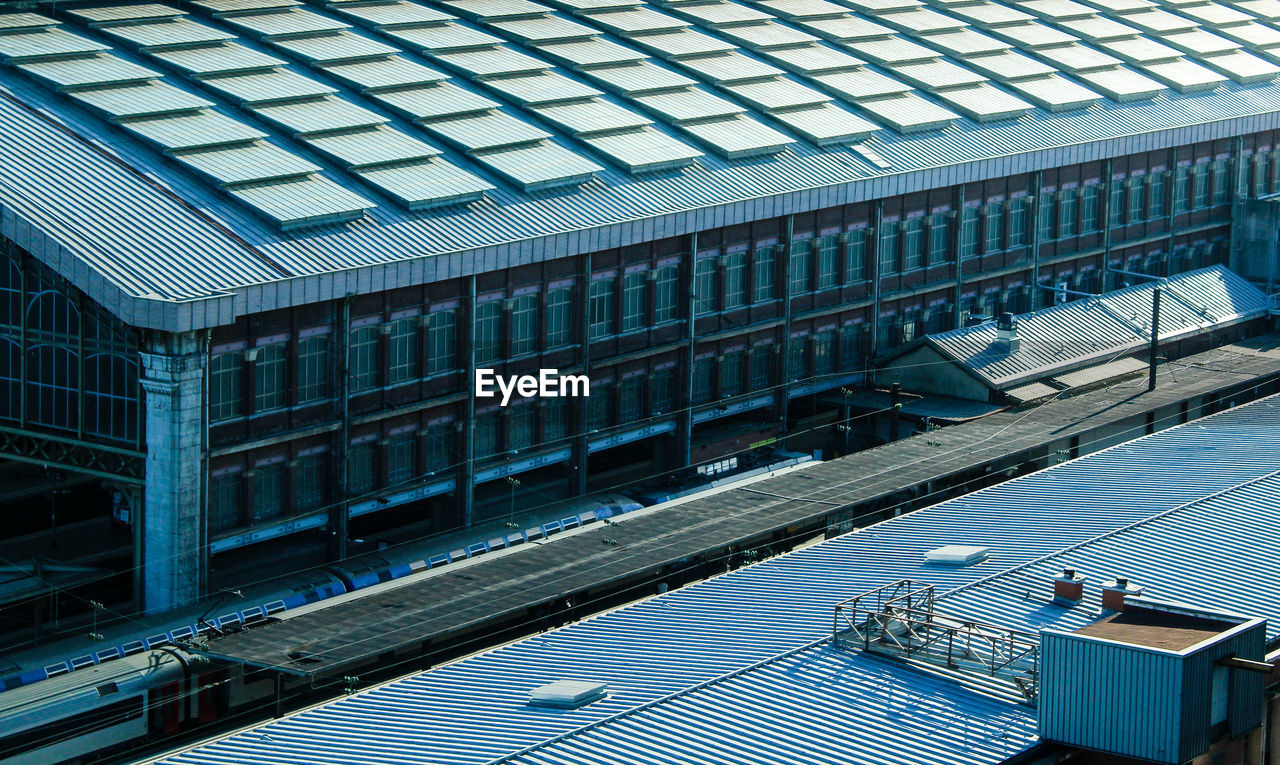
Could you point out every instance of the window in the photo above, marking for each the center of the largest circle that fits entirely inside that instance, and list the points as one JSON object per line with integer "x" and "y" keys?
{"x": 968, "y": 232}
{"x": 1044, "y": 215}
{"x": 913, "y": 244}
{"x": 110, "y": 396}
{"x": 704, "y": 286}
{"x": 731, "y": 374}
{"x": 1135, "y": 207}
{"x": 938, "y": 231}
{"x": 442, "y": 342}
{"x": 1200, "y": 186}
{"x": 226, "y": 376}
{"x": 1181, "y": 189}
{"x": 309, "y": 476}
{"x": 520, "y": 421}
{"x": 1155, "y": 196}
{"x": 361, "y": 468}
{"x": 269, "y": 384}
{"x": 763, "y": 274}
{"x": 631, "y": 399}
{"x": 703, "y": 380}
{"x": 1222, "y": 182}
{"x": 1089, "y": 209}
{"x": 666, "y": 294}
{"x": 600, "y": 317}
{"x": 524, "y": 325}
{"x": 855, "y": 256}
{"x": 663, "y": 396}
{"x": 488, "y": 339}
{"x": 1261, "y": 174}
{"x": 1115, "y": 203}
{"x": 559, "y": 317}
{"x": 828, "y": 249}
{"x": 851, "y": 346}
{"x": 401, "y": 467}
{"x": 402, "y": 350}
{"x": 268, "y": 492}
{"x": 798, "y": 358}
{"x": 798, "y": 268}
{"x": 555, "y": 420}
{"x": 225, "y": 511}
{"x": 1067, "y": 213}
{"x": 888, "y": 248}
{"x": 824, "y": 352}
{"x": 1017, "y": 222}
{"x": 735, "y": 280}
{"x": 633, "y": 296}
{"x": 993, "y": 230}
{"x": 600, "y": 406}
{"x": 485, "y": 432}
{"x": 761, "y": 367}
{"x": 363, "y": 359}
{"x": 313, "y": 368}
{"x": 437, "y": 447}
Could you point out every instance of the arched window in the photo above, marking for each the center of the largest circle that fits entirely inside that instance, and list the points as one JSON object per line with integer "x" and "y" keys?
{"x": 53, "y": 313}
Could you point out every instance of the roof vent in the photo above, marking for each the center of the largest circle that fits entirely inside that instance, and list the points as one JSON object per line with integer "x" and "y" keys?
{"x": 567, "y": 694}
{"x": 957, "y": 555}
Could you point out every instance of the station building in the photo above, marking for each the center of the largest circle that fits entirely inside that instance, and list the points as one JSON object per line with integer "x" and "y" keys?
{"x": 255, "y": 250}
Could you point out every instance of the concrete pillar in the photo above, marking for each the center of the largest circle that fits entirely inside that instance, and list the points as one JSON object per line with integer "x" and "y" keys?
{"x": 172, "y": 522}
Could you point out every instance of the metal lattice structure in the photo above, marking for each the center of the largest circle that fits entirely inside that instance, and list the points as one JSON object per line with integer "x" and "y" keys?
{"x": 900, "y": 619}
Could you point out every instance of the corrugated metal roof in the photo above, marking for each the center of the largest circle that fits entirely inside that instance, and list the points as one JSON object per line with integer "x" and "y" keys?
{"x": 738, "y": 668}
{"x": 1061, "y": 338}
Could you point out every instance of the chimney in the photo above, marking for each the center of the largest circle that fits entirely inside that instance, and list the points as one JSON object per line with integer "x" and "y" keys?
{"x": 1007, "y": 333}
{"x": 1114, "y": 592}
{"x": 1068, "y": 589}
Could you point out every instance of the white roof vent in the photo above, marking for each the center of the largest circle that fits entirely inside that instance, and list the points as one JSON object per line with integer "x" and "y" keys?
{"x": 957, "y": 555}
{"x": 567, "y": 694}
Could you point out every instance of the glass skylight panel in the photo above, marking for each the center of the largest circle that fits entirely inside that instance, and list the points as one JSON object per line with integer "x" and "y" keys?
{"x": 909, "y": 113}
{"x": 1056, "y": 10}
{"x": 100, "y": 69}
{"x": 28, "y": 21}
{"x": 892, "y": 50}
{"x": 385, "y": 74}
{"x": 937, "y": 74}
{"x": 989, "y": 14}
{"x": 51, "y": 43}
{"x": 1055, "y": 93}
{"x": 644, "y": 151}
{"x": 494, "y": 9}
{"x": 323, "y": 116}
{"x": 167, "y": 34}
{"x": 425, "y": 185}
{"x": 768, "y": 95}
{"x": 966, "y": 42}
{"x": 1242, "y": 67}
{"x": 542, "y": 88}
{"x": 984, "y": 103}
{"x": 543, "y": 29}
{"x": 588, "y": 53}
{"x": 227, "y": 58}
{"x": 803, "y": 9}
{"x": 826, "y": 124}
{"x": 243, "y": 164}
{"x": 1200, "y": 43}
{"x": 1256, "y": 35}
{"x": 1185, "y": 76}
{"x": 685, "y": 42}
{"x": 241, "y": 6}
{"x": 1213, "y": 14}
{"x": 635, "y": 21}
{"x": 140, "y": 100}
{"x": 308, "y": 201}
{"x": 1156, "y": 20}
{"x": 544, "y": 166}
{"x": 770, "y": 34}
{"x": 922, "y": 20}
{"x": 845, "y": 28}
{"x": 643, "y": 77}
{"x": 109, "y": 14}
{"x": 1033, "y": 35}
{"x": 444, "y": 99}
{"x": 730, "y": 67}
{"x": 1077, "y": 58}
{"x": 1009, "y": 65}
{"x": 721, "y": 13}
{"x": 490, "y": 130}
{"x": 1263, "y": 9}
{"x": 881, "y": 6}
{"x": 862, "y": 83}
{"x": 686, "y": 105}
{"x": 1141, "y": 50}
{"x": 188, "y": 131}
{"x": 445, "y": 37}
{"x": 1098, "y": 28}
{"x": 813, "y": 59}
{"x": 377, "y": 146}
{"x": 1121, "y": 6}
{"x": 293, "y": 21}
{"x": 594, "y": 116}
{"x": 391, "y": 15}
{"x": 279, "y": 85}
{"x": 738, "y": 137}
{"x": 334, "y": 47}
{"x": 500, "y": 61}
{"x": 596, "y": 5}
{"x": 1121, "y": 84}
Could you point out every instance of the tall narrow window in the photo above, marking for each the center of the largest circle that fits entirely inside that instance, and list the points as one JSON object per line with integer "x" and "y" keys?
{"x": 851, "y": 350}
{"x": 268, "y": 492}
{"x": 993, "y": 227}
{"x": 1222, "y": 182}
{"x": 824, "y": 352}
{"x": 269, "y": 377}
{"x": 731, "y": 374}
{"x": 798, "y": 268}
{"x": 520, "y": 420}
{"x": 442, "y": 342}
{"x": 485, "y": 432}
{"x": 437, "y": 445}
{"x": 666, "y": 294}
{"x": 1044, "y": 215}
{"x": 559, "y": 317}
{"x": 1155, "y": 196}
{"x": 600, "y": 405}
{"x": 828, "y": 249}
{"x": 1261, "y": 174}
{"x": 1067, "y": 213}
{"x": 663, "y": 395}
{"x": 555, "y": 420}
{"x": 362, "y": 359}
{"x": 1181, "y": 189}
{"x": 703, "y": 380}
{"x": 1089, "y": 209}
{"x": 601, "y": 307}
{"x": 761, "y": 367}
{"x": 939, "y": 226}
{"x": 488, "y": 339}
{"x": 855, "y": 256}
{"x": 524, "y": 325}
{"x": 735, "y": 280}
{"x": 1017, "y": 222}
{"x": 634, "y": 286}
{"x": 888, "y": 247}
{"x": 1115, "y": 203}
{"x": 1200, "y": 186}
{"x": 309, "y": 482}
{"x": 313, "y": 368}
{"x": 1135, "y": 207}
{"x": 913, "y": 244}
{"x": 763, "y": 272}
{"x": 226, "y": 510}
{"x": 704, "y": 286}
{"x": 226, "y": 376}
{"x": 401, "y": 467}
{"x": 968, "y": 232}
{"x": 362, "y": 475}
{"x": 402, "y": 350}
{"x": 798, "y": 359}
{"x": 631, "y": 399}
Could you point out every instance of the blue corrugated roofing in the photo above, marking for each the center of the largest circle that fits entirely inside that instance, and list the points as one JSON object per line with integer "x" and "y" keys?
{"x": 624, "y": 206}
{"x": 738, "y": 668}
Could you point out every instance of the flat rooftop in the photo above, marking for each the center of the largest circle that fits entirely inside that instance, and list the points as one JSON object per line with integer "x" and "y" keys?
{"x": 1154, "y": 629}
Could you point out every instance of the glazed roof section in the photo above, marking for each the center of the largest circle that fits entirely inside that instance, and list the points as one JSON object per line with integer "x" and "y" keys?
{"x": 348, "y": 134}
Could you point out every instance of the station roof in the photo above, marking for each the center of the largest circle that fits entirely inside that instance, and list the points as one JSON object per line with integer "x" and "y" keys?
{"x": 573, "y": 125}
{"x": 1056, "y": 341}
{"x": 740, "y": 667}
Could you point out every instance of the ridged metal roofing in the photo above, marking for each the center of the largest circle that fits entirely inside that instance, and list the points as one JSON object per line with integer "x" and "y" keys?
{"x": 923, "y": 84}
{"x": 1064, "y": 337}
{"x": 738, "y": 668}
